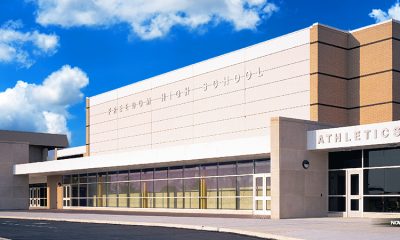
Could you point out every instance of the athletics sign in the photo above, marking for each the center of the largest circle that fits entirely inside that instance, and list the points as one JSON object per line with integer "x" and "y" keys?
{"x": 354, "y": 136}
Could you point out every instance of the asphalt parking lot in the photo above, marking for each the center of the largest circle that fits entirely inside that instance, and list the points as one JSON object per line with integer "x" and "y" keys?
{"x": 34, "y": 229}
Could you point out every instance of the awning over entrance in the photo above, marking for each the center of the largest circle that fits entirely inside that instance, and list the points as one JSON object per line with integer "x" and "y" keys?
{"x": 378, "y": 134}
{"x": 250, "y": 147}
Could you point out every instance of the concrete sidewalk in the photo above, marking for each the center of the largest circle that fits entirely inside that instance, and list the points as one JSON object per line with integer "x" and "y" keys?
{"x": 310, "y": 228}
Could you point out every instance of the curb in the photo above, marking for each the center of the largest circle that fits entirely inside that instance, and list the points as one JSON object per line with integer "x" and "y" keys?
{"x": 167, "y": 225}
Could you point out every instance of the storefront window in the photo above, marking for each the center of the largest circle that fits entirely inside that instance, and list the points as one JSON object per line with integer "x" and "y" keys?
{"x": 337, "y": 204}
{"x": 262, "y": 166}
{"x": 225, "y": 185}
{"x": 337, "y": 182}
{"x": 245, "y": 167}
{"x": 382, "y": 204}
{"x": 382, "y": 181}
{"x": 347, "y": 159}
{"x": 382, "y": 157}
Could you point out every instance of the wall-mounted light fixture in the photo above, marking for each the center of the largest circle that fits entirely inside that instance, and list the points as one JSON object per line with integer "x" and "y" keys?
{"x": 306, "y": 164}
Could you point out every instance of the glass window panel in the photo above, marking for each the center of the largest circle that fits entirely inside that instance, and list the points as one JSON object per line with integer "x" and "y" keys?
{"x": 102, "y": 177}
{"x": 382, "y": 157}
{"x": 134, "y": 175}
{"x": 374, "y": 181}
{"x": 175, "y": 188}
{"x": 161, "y": 173}
{"x": 74, "y": 179}
{"x": 74, "y": 191}
{"x": 102, "y": 194}
{"x": 92, "y": 177}
{"x": 91, "y": 202}
{"x": 245, "y": 186}
{"x": 245, "y": 203}
{"x": 43, "y": 202}
{"x": 345, "y": 159}
{"x": 112, "y": 202}
{"x": 175, "y": 193}
{"x": 337, "y": 204}
{"x": 392, "y": 181}
{"x": 82, "y": 190}
{"x": 82, "y": 202}
{"x": 175, "y": 202}
{"x": 160, "y": 193}
{"x": 123, "y": 176}
{"x": 83, "y": 178}
{"x": 259, "y": 186}
{"x": 354, "y": 184}
{"x": 245, "y": 167}
{"x": 147, "y": 174}
{"x": 112, "y": 176}
{"x": 123, "y": 201}
{"x": 134, "y": 189}
{"x": 227, "y": 192}
{"x": 268, "y": 186}
{"x": 227, "y": 186}
{"x": 191, "y": 187}
{"x": 392, "y": 204}
{"x": 112, "y": 189}
{"x": 123, "y": 193}
{"x": 147, "y": 194}
{"x": 135, "y": 202}
{"x": 354, "y": 204}
{"x": 67, "y": 179}
{"x": 208, "y": 170}
{"x": 373, "y": 204}
{"x": 211, "y": 192}
{"x": 191, "y": 171}
{"x": 42, "y": 192}
{"x": 175, "y": 172}
{"x": 268, "y": 202}
{"x": 92, "y": 190}
{"x": 262, "y": 166}
{"x": 337, "y": 182}
{"x": 123, "y": 189}
{"x": 227, "y": 169}
{"x": 74, "y": 202}
{"x": 227, "y": 203}
{"x": 259, "y": 205}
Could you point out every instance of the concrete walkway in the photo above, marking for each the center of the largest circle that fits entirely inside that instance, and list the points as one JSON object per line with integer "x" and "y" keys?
{"x": 310, "y": 228}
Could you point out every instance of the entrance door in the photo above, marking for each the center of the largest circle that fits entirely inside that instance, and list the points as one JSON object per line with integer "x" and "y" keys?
{"x": 354, "y": 193}
{"x": 262, "y": 194}
{"x": 67, "y": 195}
{"x": 34, "y": 197}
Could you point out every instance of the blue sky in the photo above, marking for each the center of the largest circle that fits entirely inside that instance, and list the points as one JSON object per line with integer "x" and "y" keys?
{"x": 80, "y": 50}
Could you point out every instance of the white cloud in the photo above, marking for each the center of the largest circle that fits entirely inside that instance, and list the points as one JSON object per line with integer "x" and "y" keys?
{"x": 153, "y": 19}
{"x": 22, "y": 47}
{"x": 43, "y": 107}
{"x": 392, "y": 13}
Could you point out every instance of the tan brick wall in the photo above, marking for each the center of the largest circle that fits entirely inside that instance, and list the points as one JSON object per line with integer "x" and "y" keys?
{"x": 370, "y": 59}
{"x": 327, "y": 114}
{"x": 369, "y": 86}
{"x": 377, "y": 113}
{"x": 331, "y": 90}
{"x": 371, "y": 34}
{"x": 369, "y": 90}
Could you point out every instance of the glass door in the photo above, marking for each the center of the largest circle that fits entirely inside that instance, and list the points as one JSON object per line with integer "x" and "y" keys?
{"x": 262, "y": 194}
{"x": 34, "y": 197}
{"x": 67, "y": 195}
{"x": 354, "y": 193}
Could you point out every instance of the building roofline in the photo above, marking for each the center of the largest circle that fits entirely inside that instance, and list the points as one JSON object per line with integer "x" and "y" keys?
{"x": 35, "y": 138}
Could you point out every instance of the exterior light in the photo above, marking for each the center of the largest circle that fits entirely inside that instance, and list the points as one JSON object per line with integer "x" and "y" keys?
{"x": 306, "y": 164}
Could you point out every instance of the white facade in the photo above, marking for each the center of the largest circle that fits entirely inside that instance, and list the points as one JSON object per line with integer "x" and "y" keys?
{"x": 228, "y": 97}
